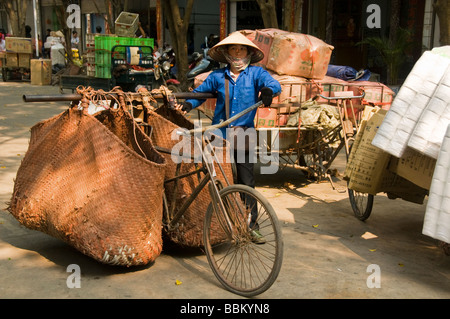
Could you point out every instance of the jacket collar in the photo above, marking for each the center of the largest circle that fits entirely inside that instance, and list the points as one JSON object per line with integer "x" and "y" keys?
{"x": 228, "y": 71}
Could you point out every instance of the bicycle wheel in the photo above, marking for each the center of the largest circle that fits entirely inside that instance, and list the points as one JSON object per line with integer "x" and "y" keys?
{"x": 245, "y": 264}
{"x": 362, "y": 204}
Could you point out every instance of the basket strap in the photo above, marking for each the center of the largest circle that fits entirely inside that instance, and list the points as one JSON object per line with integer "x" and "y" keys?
{"x": 227, "y": 98}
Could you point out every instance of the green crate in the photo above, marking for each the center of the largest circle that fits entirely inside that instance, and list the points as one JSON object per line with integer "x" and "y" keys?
{"x": 103, "y": 47}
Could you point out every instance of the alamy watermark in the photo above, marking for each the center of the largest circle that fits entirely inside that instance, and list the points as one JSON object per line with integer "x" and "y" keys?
{"x": 374, "y": 279}
{"x": 374, "y": 19}
{"x": 74, "y": 279}
{"x": 74, "y": 19}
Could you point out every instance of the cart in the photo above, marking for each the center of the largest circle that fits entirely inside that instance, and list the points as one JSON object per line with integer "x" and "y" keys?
{"x": 312, "y": 147}
{"x": 129, "y": 66}
{"x": 18, "y": 71}
{"x": 308, "y": 147}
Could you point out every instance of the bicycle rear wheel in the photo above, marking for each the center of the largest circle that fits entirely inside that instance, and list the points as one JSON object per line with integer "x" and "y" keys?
{"x": 362, "y": 204}
{"x": 244, "y": 263}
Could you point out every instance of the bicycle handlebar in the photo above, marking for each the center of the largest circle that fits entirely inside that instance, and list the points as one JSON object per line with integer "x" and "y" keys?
{"x": 222, "y": 124}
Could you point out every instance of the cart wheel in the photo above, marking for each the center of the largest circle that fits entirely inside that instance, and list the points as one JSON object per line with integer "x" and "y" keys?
{"x": 244, "y": 263}
{"x": 362, "y": 204}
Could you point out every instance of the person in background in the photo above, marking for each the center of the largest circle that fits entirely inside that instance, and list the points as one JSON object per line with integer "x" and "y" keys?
{"x": 46, "y": 51}
{"x": 27, "y": 31}
{"x": 98, "y": 29}
{"x": 75, "y": 40}
{"x": 246, "y": 84}
{"x": 2, "y": 41}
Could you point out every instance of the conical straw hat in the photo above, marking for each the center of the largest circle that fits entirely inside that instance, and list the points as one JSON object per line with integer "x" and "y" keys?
{"x": 235, "y": 38}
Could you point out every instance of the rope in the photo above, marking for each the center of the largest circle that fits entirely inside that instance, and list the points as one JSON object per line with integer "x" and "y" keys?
{"x": 89, "y": 95}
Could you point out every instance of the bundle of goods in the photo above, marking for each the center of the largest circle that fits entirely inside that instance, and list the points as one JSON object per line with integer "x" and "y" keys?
{"x": 371, "y": 170}
{"x": 418, "y": 117}
{"x": 417, "y": 123}
{"x": 437, "y": 216}
{"x": 86, "y": 180}
{"x": 297, "y": 54}
{"x": 348, "y": 73}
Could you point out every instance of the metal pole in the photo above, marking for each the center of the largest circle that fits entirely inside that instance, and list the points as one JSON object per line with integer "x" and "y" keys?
{"x": 77, "y": 97}
{"x": 36, "y": 37}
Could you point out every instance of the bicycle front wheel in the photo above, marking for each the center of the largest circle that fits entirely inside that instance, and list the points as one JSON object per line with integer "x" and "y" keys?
{"x": 243, "y": 242}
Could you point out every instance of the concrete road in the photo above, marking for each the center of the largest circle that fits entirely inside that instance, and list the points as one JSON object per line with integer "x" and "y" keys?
{"x": 327, "y": 252}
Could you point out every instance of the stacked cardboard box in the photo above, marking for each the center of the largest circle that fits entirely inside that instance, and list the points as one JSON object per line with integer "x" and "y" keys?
{"x": 41, "y": 71}
{"x": 18, "y": 52}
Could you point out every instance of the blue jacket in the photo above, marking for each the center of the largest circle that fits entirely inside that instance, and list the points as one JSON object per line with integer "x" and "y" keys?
{"x": 243, "y": 93}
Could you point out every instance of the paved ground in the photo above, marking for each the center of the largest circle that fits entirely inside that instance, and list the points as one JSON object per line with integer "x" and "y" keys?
{"x": 326, "y": 255}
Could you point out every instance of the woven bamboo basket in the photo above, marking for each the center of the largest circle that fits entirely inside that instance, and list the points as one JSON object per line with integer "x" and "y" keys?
{"x": 190, "y": 228}
{"x": 95, "y": 182}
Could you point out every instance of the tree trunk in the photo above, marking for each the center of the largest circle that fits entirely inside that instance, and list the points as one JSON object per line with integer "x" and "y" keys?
{"x": 329, "y": 25}
{"x": 268, "y": 13}
{"x": 16, "y": 11}
{"x": 291, "y": 15}
{"x": 178, "y": 28}
{"x": 61, "y": 15}
{"x": 394, "y": 21}
{"x": 442, "y": 8}
{"x": 113, "y": 9}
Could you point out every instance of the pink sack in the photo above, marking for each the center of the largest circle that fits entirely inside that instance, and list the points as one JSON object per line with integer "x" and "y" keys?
{"x": 263, "y": 38}
{"x": 299, "y": 54}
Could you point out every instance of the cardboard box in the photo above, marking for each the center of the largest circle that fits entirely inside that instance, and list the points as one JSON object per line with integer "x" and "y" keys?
{"x": 263, "y": 39}
{"x": 12, "y": 60}
{"x": 415, "y": 167}
{"x": 266, "y": 117}
{"x": 367, "y": 167}
{"x": 18, "y": 45}
{"x": 41, "y": 71}
{"x": 24, "y": 60}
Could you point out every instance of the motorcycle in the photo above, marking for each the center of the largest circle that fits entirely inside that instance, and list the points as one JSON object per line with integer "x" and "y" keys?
{"x": 202, "y": 63}
{"x": 164, "y": 70}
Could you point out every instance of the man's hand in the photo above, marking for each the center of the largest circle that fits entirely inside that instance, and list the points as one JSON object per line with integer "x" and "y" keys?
{"x": 266, "y": 96}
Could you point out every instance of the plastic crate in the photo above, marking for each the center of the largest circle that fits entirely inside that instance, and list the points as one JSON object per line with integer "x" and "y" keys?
{"x": 103, "y": 48}
{"x": 126, "y": 24}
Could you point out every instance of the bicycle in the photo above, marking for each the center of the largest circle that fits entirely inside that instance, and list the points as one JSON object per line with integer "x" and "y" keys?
{"x": 242, "y": 265}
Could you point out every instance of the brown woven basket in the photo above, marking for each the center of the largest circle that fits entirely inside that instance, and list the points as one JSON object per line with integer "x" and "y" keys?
{"x": 95, "y": 183}
{"x": 190, "y": 229}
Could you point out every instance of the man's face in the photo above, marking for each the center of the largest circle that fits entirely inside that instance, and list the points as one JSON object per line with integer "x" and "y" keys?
{"x": 237, "y": 50}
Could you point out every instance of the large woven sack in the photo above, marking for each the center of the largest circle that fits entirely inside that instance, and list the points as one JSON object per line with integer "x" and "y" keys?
{"x": 299, "y": 54}
{"x": 263, "y": 38}
{"x": 190, "y": 227}
{"x": 95, "y": 182}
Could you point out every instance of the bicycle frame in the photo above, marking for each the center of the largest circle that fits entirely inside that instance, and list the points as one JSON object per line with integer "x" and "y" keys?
{"x": 171, "y": 217}
{"x": 347, "y": 126}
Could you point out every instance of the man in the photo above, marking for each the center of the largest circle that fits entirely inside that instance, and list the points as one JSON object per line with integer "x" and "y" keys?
{"x": 75, "y": 41}
{"x": 246, "y": 85}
